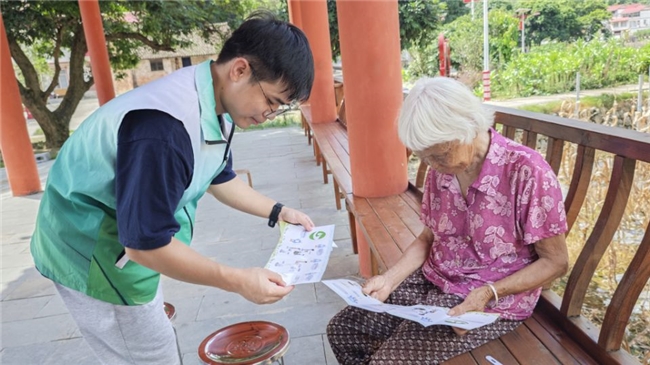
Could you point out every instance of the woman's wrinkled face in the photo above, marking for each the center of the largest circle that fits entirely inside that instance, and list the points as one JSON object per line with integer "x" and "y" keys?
{"x": 448, "y": 157}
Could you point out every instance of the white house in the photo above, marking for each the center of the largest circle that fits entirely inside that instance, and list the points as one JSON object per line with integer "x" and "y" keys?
{"x": 629, "y": 18}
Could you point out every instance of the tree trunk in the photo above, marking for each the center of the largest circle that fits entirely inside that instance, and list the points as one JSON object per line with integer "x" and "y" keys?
{"x": 55, "y": 124}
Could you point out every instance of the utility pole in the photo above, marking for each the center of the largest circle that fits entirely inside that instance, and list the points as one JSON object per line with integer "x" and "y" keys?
{"x": 522, "y": 14}
{"x": 486, "y": 54}
{"x": 577, "y": 109}
{"x": 522, "y": 25}
{"x": 471, "y": 4}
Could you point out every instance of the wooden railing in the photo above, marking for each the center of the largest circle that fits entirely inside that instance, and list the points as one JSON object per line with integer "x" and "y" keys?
{"x": 628, "y": 148}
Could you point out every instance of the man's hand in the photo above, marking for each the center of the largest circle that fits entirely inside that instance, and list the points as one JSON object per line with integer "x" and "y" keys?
{"x": 476, "y": 301}
{"x": 378, "y": 287}
{"x": 262, "y": 286}
{"x": 293, "y": 216}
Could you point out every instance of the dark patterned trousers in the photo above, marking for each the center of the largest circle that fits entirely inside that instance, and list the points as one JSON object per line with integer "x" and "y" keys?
{"x": 359, "y": 337}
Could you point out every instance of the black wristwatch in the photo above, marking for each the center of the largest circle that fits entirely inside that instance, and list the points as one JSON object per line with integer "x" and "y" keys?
{"x": 275, "y": 213}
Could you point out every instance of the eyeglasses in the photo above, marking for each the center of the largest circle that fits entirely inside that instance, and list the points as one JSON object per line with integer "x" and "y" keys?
{"x": 281, "y": 109}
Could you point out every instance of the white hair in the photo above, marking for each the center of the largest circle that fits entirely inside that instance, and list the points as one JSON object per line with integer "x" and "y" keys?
{"x": 439, "y": 110}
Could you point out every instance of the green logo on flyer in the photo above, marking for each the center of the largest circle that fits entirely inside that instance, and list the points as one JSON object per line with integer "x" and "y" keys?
{"x": 317, "y": 235}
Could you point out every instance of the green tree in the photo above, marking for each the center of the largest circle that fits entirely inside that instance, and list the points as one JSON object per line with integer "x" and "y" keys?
{"x": 418, "y": 21}
{"x": 47, "y": 29}
{"x": 456, "y": 9}
{"x": 564, "y": 20}
{"x": 466, "y": 40}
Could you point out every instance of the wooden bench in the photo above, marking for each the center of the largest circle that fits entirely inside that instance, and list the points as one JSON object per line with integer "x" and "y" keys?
{"x": 333, "y": 154}
{"x": 556, "y": 333}
{"x": 332, "y": 151}
{"x": 390, "y": 224}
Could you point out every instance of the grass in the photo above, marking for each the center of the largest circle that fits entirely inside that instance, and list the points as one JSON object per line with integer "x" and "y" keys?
{"x": 603, "y": 101}
{"x": 289, "y": 119}
{"x": 548, "y": 108}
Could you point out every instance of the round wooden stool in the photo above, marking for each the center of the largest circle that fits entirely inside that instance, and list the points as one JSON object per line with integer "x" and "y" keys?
{"x": 246, "y": 343}
{"x": 170, "y": 311}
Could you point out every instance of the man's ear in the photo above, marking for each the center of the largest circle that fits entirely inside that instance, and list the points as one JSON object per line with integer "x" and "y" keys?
{"x": 239, "y": 69}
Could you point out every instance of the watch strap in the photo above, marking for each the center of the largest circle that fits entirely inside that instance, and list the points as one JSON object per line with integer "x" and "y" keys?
{"x": 275, "y": 213}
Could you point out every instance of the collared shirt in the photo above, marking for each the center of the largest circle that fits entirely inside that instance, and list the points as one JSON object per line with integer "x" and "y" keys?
{"x": 154, "y": 166}
{"x": 515, "y": 202}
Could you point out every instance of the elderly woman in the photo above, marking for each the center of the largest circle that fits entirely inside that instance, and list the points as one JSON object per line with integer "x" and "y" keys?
{"x": 494, "y": 235}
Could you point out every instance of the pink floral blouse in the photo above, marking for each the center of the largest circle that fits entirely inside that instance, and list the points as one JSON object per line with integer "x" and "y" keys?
{"x": 515, "y": 202}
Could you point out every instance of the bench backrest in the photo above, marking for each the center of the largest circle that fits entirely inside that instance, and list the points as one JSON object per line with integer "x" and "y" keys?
{"x": 629, "y": 149}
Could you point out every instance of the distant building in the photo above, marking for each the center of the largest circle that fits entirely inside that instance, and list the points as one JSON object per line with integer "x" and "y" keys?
{"x": 64, "y": 75}
{"x": 629, "y": 18}
{"x": 154, "y": 65}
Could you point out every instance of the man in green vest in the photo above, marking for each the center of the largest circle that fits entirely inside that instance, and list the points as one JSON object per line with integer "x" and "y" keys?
{"x": 118, "y": 208}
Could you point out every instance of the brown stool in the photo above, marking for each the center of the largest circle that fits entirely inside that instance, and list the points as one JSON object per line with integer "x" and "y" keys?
{"x": 246, "y": 343}
{"x": 248, "y": 174}
{"x": 170, "y": 311}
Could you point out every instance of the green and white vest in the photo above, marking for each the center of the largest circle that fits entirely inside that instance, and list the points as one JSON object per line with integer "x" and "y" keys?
{"x": 75, "y": 242}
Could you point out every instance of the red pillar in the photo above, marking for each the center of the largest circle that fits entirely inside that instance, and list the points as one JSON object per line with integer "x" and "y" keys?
{"x": 316, "y": 27}
{"x": 16, "y": 147}
{"x": 372, "y": 71}
{"x": 295, "y": 13}
{"x": 94, "y": 31}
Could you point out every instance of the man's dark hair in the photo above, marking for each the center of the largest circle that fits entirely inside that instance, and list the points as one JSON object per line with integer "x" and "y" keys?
{"x": 277, "y": 51}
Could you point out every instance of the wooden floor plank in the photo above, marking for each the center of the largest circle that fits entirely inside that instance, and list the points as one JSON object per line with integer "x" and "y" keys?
{"x": 380, "y": 241}
{"x": 341, "y": 134}
{"x": 563, "y": 347}
{"x": 384, "y": 207}
{"x": 464, "y": 359}
{"x": 497, "y": 350}
{"x": 336, "y": 162}
{"x": 358, "y": 206}
{"x": 410, "y": 217}
{"x": 413, "y": 196}
{"x": 341, "y": 153}
{"x": 526, "y": 348}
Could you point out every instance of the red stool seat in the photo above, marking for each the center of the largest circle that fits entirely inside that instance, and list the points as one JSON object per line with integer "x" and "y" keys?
{"x": 170, "y": 311}
{"x": 246, "y": 343}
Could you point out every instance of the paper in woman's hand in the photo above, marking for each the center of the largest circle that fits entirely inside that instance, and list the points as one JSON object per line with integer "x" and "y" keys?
{"x": 426, "y": 315}
{"x": 351, "y": 292}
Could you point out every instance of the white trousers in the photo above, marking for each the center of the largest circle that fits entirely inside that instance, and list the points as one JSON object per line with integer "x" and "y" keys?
{"x": 121, "y": 334}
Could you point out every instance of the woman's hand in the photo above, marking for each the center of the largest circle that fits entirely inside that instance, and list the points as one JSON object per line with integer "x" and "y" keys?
{"x": 378, "y": 287}
{"x": 293, "y": 216}
{"x": 476, "y": 301}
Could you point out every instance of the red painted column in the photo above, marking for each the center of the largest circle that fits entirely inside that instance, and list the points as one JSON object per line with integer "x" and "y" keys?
{"x": 295, "y": 13}
{"x": 372, "y": 72}
{"x": 94, "y": 31}
{"x": 315, "y": 24}
{"x": 16, "y": 147}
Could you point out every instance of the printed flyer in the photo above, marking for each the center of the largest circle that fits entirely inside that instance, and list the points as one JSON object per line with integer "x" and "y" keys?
{"x": 301, "y": 256}
{"x": 425, "y": 315}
